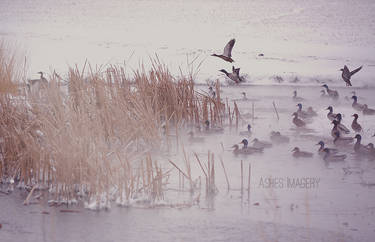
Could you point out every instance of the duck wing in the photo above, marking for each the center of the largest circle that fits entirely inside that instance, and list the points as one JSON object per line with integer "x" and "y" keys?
{"x": 228, "y": 48}
{"x": 354, "y": 71}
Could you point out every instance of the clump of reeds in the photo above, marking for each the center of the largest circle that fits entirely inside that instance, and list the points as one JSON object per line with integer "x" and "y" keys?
{"x": 98, "y": 134}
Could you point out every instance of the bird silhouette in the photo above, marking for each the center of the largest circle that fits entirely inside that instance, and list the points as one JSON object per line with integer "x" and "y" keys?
{"x": 346, "y": 74}
{"x": 227, "y": 53}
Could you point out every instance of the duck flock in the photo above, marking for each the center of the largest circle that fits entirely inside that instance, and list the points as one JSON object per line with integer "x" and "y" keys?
{"x": 342, "y": 137}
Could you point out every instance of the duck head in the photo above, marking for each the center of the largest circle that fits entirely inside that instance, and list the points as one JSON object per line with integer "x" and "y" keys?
{"x": 358, "y": 137}
{"x": 338, "y": 117}
{"x": 354, "y": 97}
{"x": 330, "y": 108}
{"x": 299, "y": 105}
{"x": 296, "y": 149}
{"x": 355, "y": 116}
{"x": 325, "y": 86}
{"x": 244, "y": 142}
{"x": 321, "y": 143}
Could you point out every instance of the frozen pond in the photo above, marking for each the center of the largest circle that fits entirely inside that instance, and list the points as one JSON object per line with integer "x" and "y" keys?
{"x": 309, "y": 40}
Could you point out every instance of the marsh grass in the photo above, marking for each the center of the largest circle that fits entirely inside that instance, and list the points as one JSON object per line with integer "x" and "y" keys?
{"x": 95, "y": 137}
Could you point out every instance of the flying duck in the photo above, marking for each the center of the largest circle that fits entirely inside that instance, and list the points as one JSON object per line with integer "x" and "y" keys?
{"x": 332, "y": 93}
{"x": 234, "y": 76}
{"x": 367, "y": 111}
{"x": 298, "y": 122}
{"x": 355, "y": 125}
{"x": 297, "y": 153}
{"x": 346, "y": 74}
{"x": 328, "y": 156}
{"x": 357, "y": 106}
{"x": 227, "y": 54}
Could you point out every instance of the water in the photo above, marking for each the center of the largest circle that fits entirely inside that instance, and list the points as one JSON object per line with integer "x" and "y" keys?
{"x": 310, "y": 40}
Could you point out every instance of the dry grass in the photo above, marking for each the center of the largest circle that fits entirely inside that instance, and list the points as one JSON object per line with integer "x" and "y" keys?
{"x": 99, "y": 131}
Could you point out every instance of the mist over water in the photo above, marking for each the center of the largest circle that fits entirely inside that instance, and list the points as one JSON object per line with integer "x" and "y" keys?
{"x": 307, "y": 40}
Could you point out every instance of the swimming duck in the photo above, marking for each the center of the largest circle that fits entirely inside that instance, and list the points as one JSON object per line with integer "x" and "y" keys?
{"x": 321, "y": 148}
{"x": 276, "y": 137}
{"x": 296, "y": 98}
{"x": 331, "y": 116}
{"x": 246, "y": 151}
{"x": 227, "y": 53}
{"x": 193, "y": 139}
{"x": 261, "y": 144}
{"x": 367, "y": 111}
{"x": 341, "y": 141}
{"x": 248, "y": 132}
{"x": 301, "y": 113}
{"x": 298, "y": 122}
{"x": 332, "y": 93}
{"x": 310, "y": 111}
{"x": 323, "y": 94}
{"x": 250, "y": 149}
{"x": 357, "y": 106}
{"x": 234, "y": 76}
{"x": 297, "y": 153}
{"x": 328, "y": 156}
{"x": 211, "y": 129}
{"x": 340, "y": 126}
{"x": 358, "y": 147}
{"x": 371, "y": 149}
{"x": 355, "y": 125}
{"x": 346, "y": 74}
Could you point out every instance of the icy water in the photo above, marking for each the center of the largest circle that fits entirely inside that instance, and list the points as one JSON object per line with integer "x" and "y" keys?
{"x": 309, "y": 40}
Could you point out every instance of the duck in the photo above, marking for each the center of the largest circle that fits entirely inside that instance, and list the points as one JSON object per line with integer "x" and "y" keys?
{"x": 321, "y": 148}
{"x": 310, "y": 111}
{"x": 246, "y": 151}
{"x": 330, "y": 115}
{"x": 298, "y": 122}
{"x": 332, "y": 93}
{"x": 355, "y": 125}
{"x": 194, "y": 139}
{"x": 358, "y": 147}
{"x": 234, "y": 76}
{"x": 340, "y": 126}
{"x": 296, "y": 98}
{"x": 244, "y": 96}
{"x": 211, "y": 129}
{"x": 367, "y": 111}
{"x": 323, "y": 94}
{"x": 248, "y": 132}
{"x": 346, "y": 74}
{"x": 357, "y": 106}
{"x": 371, "y": 149}
{"x": 341, "y": 141}
{"x": 250, "y": 149}
{"x": 278, "y": 138}
{"x": 297, "y": 153}
{"x": 328, "y": 156}
{"x": 261, "y": 144}
{"x": 227, "y": 53}
{"x": 335, "y": 128}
